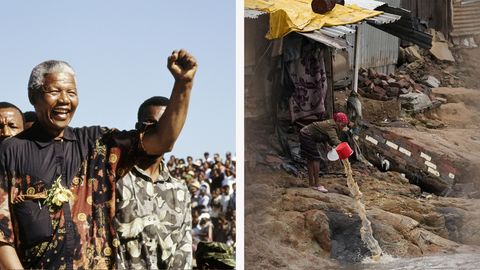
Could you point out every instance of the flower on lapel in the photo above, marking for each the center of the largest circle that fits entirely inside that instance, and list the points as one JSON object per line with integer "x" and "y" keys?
{"x": 57, "y": 195}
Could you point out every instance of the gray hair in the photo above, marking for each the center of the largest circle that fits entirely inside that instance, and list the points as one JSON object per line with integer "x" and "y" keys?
{"x": 41, "y": 70}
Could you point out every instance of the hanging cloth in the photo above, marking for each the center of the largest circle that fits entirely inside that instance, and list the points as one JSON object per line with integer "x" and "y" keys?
{"x": 309, "y": 78}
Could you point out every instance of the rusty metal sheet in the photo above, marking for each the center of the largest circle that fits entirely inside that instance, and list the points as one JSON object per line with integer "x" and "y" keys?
{"x": 465, "y": 19}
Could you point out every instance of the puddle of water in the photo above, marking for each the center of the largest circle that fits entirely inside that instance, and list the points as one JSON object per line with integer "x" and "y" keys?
{"x": 366, "y": 229}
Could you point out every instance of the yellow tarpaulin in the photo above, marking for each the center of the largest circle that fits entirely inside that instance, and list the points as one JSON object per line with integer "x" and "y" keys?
{"x": 296, "y": 15}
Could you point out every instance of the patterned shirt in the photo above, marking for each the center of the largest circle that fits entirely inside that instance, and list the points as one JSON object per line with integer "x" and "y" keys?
{"x": 153, "y": 222}
{"x": 80, "y": 234}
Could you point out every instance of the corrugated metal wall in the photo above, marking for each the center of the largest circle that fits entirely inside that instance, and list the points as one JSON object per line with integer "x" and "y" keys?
{"x": 436, "y": 13}
{"x": 466, "y": 19}
{"x": 379, "y": 50}
{"x": 451, "y": 17}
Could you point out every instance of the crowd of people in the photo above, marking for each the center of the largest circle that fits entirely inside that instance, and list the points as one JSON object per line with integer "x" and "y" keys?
{"x": 212, "y": 186}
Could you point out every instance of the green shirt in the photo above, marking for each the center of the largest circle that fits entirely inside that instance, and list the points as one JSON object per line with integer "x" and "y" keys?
{"x": 323, "y": 131}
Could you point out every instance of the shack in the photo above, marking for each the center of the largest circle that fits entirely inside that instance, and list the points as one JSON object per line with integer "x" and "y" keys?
{"x": 287, "y": 94}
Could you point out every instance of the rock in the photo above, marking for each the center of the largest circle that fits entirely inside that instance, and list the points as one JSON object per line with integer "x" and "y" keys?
{"x": 404, "y": 91}
{"x": 383, "y": 76}
{"x": 317, "y": 222}
{"x": 415, "y": 102}
{"x": 367, "y": 82}
{"x": 412, "y": 54}
{"x": 418, "y": 87}
{"x": 372, "y": 74}
{"x": 434, "y": 124}
{"x": 440, "y": 37}
{"x": 442, "y": 100}
{"x": 395, "y": 84}
{"x": 347, "y": 244}
{"x": 432, "y": 82}
{"x": 392, "y": 91}
{"x": 391, "y": 80}
{"x": 451, "y": 80}
{"x": 379, "y": 90}
{"x": 413, "y": 66}
{"x": 271, "y": 159}
{"x": 441, "y": 51}
{"x": 403, "y": 83}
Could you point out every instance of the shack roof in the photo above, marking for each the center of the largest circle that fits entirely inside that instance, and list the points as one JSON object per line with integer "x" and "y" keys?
{"x": 335, "y": 26}
{"x": 288, "y": 16}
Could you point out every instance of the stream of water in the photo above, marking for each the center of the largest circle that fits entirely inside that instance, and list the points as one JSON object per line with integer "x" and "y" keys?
{"x": 366, "y": 229}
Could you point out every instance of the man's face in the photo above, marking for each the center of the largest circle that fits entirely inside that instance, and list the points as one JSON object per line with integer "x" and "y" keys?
{"x": 55, "y": 105}
{"x": 11, "y": 123}
{"x": 150, "y": 115}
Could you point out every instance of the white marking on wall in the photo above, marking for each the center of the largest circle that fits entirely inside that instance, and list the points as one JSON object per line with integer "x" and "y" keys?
{"x": 425, "y": 156}
{"x": 434, "y": 172}
{"x": 371, "y": 139}
{"x": 405, "y": 151}
{"x": 451, "y": 175}
{"x": 392, "y": 145}
{"x": 430, "y": 164}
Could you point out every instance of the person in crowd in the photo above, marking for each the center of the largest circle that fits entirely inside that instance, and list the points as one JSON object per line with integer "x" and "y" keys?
{"x": 204, "y": 198}
{"x": 203, "y": 181}
{"x": 225, "y": 198}
{"x": 228, "y": 156}
{"x": 217, "y": 177}
{"x": 149, "y": 193}
{"x": 207, "y": 170}
{"x": 61, "y": 180}
{"x": 207, "y": 157}
{"x": 11, "y": 120}
{"x": 229, "y": 179}
{"x": 233, "y": 197}
{"x": 217, "y": 159}
{"x": 322, "y": 132}
{"x": 30, "y": 118}
{"x": 204, "y": 229}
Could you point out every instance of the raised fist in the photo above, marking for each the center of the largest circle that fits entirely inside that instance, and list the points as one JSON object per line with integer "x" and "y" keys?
{"x": 182, "y": 65}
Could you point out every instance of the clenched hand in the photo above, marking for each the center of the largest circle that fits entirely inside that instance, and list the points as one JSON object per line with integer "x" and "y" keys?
{"x": 182, "y": 65}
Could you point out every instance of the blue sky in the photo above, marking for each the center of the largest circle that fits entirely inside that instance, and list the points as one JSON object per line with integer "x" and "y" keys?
{"x": 119, "y": 51}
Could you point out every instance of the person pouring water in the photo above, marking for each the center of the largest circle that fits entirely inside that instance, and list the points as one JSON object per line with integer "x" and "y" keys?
{"x": 325, "y": 132}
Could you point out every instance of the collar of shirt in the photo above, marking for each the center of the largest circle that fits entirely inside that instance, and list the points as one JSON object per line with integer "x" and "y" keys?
{"x": 39, "y": 135}
{"x": 164, "y": 175}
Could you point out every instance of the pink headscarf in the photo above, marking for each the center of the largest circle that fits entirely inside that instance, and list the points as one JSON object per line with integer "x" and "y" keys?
{"x": 340, "y": 117}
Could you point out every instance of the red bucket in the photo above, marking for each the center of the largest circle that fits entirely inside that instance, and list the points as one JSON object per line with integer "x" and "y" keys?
{"x": 343, "y": 150}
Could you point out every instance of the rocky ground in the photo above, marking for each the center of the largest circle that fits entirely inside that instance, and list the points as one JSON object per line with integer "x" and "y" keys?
{"x": 290, "y": 226}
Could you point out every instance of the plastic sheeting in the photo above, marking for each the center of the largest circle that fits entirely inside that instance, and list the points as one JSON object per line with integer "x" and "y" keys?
{"x": 296, "y": 15}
